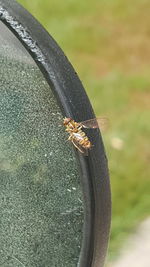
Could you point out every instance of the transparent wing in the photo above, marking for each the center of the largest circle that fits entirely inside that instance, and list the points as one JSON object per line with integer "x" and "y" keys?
{"x": 78, "y": 136}
{"x": 80, "y": 148}
{"x": 101, "y": 122}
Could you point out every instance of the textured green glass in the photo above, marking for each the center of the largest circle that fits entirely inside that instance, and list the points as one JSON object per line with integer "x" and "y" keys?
{"x": 41, "y": 207}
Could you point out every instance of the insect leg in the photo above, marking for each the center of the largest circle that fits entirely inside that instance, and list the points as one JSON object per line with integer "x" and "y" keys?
{"x": 80, "y": 148}
{"x": 80, "y": 127}
{"x": 69, "y": 138}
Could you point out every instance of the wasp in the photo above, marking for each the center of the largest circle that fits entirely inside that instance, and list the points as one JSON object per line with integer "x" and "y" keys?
{"x": 76, "y": 134}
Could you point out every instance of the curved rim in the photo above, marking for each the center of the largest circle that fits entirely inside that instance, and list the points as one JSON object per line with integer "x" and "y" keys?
{"x": 74, "y": 103}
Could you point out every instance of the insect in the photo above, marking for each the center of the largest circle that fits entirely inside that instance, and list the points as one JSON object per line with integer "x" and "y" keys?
{"x": 77, "y": 136}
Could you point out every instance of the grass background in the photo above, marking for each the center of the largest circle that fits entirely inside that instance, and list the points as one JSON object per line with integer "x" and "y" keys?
{"x": 108, "y": 43}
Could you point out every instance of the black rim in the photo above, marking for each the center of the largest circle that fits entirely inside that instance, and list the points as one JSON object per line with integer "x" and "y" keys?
{"x": 74, "y": 103}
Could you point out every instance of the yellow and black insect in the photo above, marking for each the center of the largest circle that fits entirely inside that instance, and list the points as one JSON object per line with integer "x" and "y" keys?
{"x": 78, "y": 137}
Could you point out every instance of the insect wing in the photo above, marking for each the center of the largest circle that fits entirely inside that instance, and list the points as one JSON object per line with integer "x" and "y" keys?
{"x": 83, "y": 150}
{"x": 101, "y": 123}
{"x": 77, "y": 136}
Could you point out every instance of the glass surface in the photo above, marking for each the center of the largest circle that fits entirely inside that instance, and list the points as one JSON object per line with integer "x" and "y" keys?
{"x": 41, "y": 208}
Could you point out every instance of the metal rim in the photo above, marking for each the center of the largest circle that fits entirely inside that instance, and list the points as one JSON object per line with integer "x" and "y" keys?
{"x": 74, "y": 103}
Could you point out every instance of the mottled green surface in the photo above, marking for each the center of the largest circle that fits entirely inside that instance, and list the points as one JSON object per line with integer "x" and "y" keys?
{"x": 41, "y": 213}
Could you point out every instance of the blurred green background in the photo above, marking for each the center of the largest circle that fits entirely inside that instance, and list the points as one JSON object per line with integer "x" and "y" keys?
{"x": 108, "y": 43}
